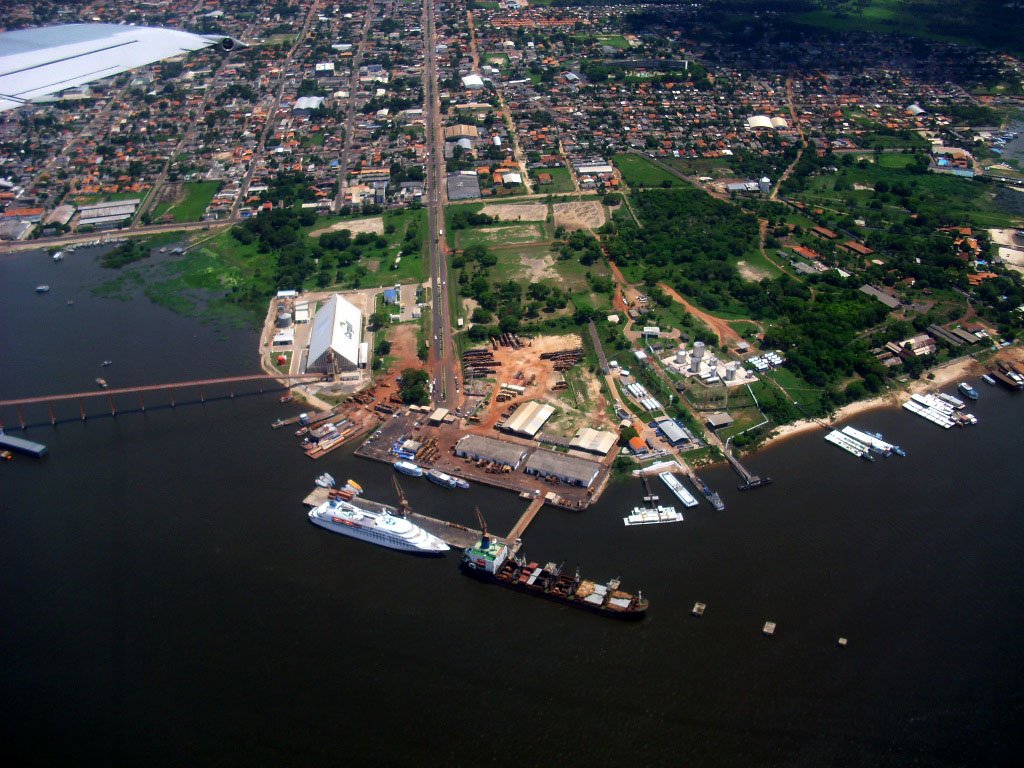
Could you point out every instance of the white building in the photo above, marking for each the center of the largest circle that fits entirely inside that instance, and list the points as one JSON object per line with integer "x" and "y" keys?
{"x": 336, "y": 336}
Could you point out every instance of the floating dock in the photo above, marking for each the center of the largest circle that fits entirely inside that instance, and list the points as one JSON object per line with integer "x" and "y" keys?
{"x": 873, "y": 441}
{"x": 678, "y": 489}
{"x": 22, "y": 445}
{"x": 848, "y": 444}
{"x": 652, "y": 516}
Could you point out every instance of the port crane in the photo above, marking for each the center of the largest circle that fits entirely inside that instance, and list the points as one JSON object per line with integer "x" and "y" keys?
{"x": 484, "y": 535}
{"x": 403, "y": 502}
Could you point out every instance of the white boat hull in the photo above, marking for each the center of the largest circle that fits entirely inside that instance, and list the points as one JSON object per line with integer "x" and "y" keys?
{"x": 393, "y": 533}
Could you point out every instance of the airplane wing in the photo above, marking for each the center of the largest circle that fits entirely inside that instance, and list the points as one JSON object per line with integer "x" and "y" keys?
{"x": 37, "y": 62}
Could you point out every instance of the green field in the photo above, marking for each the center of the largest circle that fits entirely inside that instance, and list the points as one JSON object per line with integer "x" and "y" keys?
{"x": 561, "y": 181}
{"x": 109, "y": 197}
{"x": 638, "y": 172}
{"x": 192, "y": 206}
{"x": 501, "y": 235}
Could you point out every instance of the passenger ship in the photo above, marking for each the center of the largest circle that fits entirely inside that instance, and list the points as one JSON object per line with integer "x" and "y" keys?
{"x": 381, "y": 528}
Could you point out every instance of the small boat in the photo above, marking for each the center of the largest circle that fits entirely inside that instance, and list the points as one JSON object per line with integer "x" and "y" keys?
{"x": 325, "y": 481}
{"x": 42, "y": 289}
{"x": 408, "y": 468}
{"x": 988, "y": 379}
{"x": 353, "y": 487}
{"x": 102, "y": 383}
{"x": 107, "y": 363}
{"x": 71, "y": 302}
{"x": 968, "y": 391}
{"x": 6, "y": 455}
{"x": 286, "y": 398}
{"x": 460, "y": 483}
{"x": 58, "y": 256}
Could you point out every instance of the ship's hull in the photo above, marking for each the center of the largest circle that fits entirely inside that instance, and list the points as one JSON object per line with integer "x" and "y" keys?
{"x": 622, "y": 615}
{"x": 447, "y": 481}
{"x": 409, "y": 469}
{"x": 356, "y": 532}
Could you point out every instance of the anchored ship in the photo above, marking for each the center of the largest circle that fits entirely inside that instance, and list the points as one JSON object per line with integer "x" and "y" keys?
{"x": 968, "y": 391}
{"x": 408, "y": 468}
{"x": 490, "y": 560}
{"x": 384, "y": 529}
{"x": 445, "y": 480}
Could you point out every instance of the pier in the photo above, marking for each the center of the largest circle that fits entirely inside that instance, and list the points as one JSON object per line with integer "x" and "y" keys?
{"x": 22, "y": 446}
{"x": 284, "y": 382}
{"x": 524, "y": 521}
{"x": 750, "y": 480}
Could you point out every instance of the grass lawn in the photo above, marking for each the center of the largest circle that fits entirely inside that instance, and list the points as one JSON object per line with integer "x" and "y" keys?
{"x": 501, "y": 235}
{"x": 715, "y": 167}
{"x": 799, "y": 390}
{"x": 284, "y": 367}
{"x": 638, "y": 171}
{"x": 495, "y": 59}
{"x": 191, "y": 207}
{"x": 561, "y": 181}
{"x": 871, "y": 140}
{"x": 110, "y": 197}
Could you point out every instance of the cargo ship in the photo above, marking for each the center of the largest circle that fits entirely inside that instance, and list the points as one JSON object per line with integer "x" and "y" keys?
{"x": 490, "y": 560}
{"x": 408, "y": 468}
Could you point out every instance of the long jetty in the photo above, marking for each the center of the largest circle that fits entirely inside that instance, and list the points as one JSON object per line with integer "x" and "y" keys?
{"x": 49, "y": 400}
{"x": 527, "y": 517}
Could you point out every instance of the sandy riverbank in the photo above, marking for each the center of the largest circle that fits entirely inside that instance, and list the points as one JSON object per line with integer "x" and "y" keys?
{"x": 951, "y": 373}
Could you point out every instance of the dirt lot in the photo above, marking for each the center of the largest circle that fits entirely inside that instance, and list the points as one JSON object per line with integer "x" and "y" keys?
{"x": 513, "y": 212}
{"x": 527, "y": 361}
{"x": 750, "y": 273}
{"x": 539, "y": 269}
{"x": 580, "y": 215}
{"x": 355, "y": 226}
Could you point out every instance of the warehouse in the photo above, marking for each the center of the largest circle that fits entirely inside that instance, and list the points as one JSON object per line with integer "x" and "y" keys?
{"x": 334, "y": 340}
{"x": 593, "y": 441}
{"x": 477, "y": 447}
{"x": 568, "y": 469}
{"x": 529, "y": 418}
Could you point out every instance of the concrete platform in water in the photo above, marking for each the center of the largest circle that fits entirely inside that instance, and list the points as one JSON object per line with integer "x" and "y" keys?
{"x": 22, "y": 445}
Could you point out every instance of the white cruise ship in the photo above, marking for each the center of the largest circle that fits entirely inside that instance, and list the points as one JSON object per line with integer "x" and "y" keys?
{"x": 377, "y": 528}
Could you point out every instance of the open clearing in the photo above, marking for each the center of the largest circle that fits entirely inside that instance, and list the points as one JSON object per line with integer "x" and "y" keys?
{"x": 540, "y": 268}
{"x": 752, "y": 273}
{"x": 513, "y": 212}
{"x": 579, "y": 215}
{"x": 355, "y": 226}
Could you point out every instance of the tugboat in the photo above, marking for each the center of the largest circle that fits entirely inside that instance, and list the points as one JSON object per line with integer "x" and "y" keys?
{"x": 490, "y": 560}
{"x": 968, "y": 391}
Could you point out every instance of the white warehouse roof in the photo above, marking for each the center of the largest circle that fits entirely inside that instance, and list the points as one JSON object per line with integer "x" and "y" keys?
{"x": 529, "y": 418}
{"x": 337, "y": 326}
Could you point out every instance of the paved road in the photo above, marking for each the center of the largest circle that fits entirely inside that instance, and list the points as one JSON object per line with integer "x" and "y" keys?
{"x": 446, "y": 387}
{"x": 350, "y": 110}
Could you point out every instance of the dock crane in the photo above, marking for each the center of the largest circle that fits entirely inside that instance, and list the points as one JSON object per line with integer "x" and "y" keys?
{"x": 403, "y": 502}
{"x": 484, "y": 535}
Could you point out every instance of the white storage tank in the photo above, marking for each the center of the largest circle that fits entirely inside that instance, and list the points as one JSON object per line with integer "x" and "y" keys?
{"x": 731, "y": 371}
{"x": 681, "y": 354}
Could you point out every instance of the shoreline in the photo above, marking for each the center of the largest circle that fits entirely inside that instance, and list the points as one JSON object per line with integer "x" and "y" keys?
{"x": 949, "y": 373}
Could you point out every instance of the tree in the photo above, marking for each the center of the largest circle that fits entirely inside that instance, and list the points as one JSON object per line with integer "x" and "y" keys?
{"x": 413, "y": 387}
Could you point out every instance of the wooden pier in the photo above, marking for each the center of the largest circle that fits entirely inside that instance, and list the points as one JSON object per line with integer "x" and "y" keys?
{"x": 527, "y": 518}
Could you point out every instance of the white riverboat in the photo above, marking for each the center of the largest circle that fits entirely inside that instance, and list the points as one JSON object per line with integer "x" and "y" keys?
{"x": 379, "y": 528}
{"x": 678, "y": 489}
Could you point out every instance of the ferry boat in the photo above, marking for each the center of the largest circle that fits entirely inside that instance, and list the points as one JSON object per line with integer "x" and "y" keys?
{"x": 968, "y": 391}
{"x": 383, "y": 529}
{"x": 440, "y": 478}
{"x": 490, "y": 560}
{"x": 652, "y": 516}
{"x": 408, "y": 468}
{"x": 42, "y": 289}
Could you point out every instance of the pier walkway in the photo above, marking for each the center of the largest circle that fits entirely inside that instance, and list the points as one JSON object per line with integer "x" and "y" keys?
{"x": 156, "y": 388}
{"x": 527, "y": 517}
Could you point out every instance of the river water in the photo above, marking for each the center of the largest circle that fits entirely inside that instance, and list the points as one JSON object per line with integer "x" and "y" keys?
{"x": 163, "y": 601}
